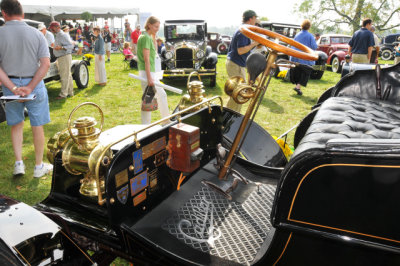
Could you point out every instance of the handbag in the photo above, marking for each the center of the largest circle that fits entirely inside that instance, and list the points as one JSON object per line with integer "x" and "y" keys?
{"x": 149, "y": 102}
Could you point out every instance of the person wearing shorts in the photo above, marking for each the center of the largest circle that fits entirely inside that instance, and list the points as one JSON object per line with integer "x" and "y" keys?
{"x": 24, "y": 77}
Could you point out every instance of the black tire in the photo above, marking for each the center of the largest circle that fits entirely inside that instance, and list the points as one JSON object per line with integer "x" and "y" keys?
{"x": 222, "y": 48}
{"x": 336, "y": 66}
{"x": 213, "y": 80}
{"x": 386, "y": 54}
{"x": 316, "y": 74}
{"x": 81, "y": 75}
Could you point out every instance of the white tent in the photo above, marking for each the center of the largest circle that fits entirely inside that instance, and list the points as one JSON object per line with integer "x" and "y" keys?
{"x": 49, "y": 12}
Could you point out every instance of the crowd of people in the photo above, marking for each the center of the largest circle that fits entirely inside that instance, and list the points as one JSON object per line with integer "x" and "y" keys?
{"x": 55, "y": 43}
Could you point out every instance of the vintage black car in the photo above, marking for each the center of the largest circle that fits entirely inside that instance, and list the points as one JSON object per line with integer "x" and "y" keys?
{"x": 387, "y": 46}
{"x": 290, "y": 31}
{"x": 214, "y": 188}
{"x": 186, "y": 50}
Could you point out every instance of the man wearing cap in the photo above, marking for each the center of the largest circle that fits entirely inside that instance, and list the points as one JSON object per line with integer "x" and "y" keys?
{"x": 24, "y": 76}
{"x": 134, "y": 37}
{"x": 47, "y": 34}
{"x": 62, "y": 50}
{"x": 238, "y": 52}
{"x": 107, "y": 41}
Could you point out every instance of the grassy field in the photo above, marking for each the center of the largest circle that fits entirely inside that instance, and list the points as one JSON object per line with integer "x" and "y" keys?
{"x": 120, "y": 100}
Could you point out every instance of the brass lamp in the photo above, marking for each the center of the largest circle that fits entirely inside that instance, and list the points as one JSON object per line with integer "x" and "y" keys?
{"x": 80, "y": 150}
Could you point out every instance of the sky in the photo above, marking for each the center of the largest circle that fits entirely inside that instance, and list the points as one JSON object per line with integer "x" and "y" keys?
{"x": 216, "y": 13}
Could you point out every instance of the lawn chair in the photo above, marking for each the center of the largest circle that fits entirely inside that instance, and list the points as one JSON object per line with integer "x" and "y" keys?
{"x": 129, "y": 63}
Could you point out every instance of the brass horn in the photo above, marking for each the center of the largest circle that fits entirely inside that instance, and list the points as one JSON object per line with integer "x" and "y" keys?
{"x": 239, "y": 90}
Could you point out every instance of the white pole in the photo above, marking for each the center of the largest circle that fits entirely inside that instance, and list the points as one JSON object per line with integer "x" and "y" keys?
{"x": 167, "y": 87}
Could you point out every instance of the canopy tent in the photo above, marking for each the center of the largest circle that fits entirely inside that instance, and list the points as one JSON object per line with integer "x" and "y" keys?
{"x": 48, "y": 12}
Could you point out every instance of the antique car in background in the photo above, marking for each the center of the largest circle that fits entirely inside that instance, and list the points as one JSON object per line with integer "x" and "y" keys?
{"x": 219, "y": 43}
{"x": 79, "y": 70}
{"x": 290, "y": 31}
{"x": 336, "y": 47}
{"x": 387, "y": 46}
{"x": 186, "y": 50}
{"x": 214, "y": 188}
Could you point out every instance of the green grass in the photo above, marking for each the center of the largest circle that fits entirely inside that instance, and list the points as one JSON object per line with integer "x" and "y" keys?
{"x": 120, "y": 101}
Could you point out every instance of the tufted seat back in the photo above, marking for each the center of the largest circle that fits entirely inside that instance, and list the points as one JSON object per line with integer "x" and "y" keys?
{"x": 351, "y": 118}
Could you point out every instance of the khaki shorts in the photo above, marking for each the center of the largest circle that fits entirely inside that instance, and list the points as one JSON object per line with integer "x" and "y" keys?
{"x": 235, "y": 70}
{"x": 360, "y": 58}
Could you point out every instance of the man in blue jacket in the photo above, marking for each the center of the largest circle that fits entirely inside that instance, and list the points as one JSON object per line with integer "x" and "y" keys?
{"x": 238, "y": 52}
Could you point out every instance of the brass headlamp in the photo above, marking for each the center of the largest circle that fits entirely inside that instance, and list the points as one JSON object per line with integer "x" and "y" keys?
{"x": 81, "y": 150}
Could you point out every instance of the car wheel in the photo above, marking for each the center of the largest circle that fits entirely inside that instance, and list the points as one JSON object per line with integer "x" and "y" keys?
{"x": 336, "y": 66}
{"x": 222, "y": 48}
{"x": 386, "y": 54}
{"x": 81, "y": 75}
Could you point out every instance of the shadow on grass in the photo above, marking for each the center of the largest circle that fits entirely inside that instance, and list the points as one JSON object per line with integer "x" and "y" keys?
{"x": 306, "y": 99}
{"x": 272, "y": 106}
{"x": 95, "y": 89}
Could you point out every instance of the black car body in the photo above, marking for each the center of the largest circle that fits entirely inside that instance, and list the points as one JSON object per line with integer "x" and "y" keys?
{"x": 186, "y": 50}
{"x": 290, "y": 30}
{"x": 334, "y": 203}
{"x": 387, "y": 46}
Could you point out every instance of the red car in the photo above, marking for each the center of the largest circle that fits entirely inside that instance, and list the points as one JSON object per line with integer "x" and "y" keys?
{"x": 336, "y": 47}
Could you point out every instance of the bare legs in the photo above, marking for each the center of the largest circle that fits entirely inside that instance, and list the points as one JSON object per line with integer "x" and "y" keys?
{"x": 38, "y": 141}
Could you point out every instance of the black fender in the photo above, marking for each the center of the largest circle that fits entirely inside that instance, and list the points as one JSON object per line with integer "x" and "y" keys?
{"x": 211, "y": 61}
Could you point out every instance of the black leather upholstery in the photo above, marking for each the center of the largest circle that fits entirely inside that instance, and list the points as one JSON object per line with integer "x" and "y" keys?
{"x": 351, "y": 118}
{"x": 366, "y": 84}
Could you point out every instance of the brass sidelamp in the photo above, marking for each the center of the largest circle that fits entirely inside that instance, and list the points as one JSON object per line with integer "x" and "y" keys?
{"x": 80, "y": 150}
{"x": 195, "y": 93}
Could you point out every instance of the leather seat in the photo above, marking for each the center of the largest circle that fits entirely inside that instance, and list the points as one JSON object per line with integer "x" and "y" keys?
{"x": 351, "y": 118}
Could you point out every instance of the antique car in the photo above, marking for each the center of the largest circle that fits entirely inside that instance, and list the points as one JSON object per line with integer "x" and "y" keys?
{"x": 79, "y": 70}
{"x": 219, "y": 43}
{"x": 387, "y": 46}
{"x": 214, "y": 188}
{"x": 336, "y": 47}
{"x": 186, "y": 50}
{"x": 290, "y": 31}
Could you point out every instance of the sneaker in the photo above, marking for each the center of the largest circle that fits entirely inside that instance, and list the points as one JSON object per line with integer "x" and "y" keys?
{"x": 44, "y": 170}
{"x": 19, "y": 169}
{"x": 299, "y": 92}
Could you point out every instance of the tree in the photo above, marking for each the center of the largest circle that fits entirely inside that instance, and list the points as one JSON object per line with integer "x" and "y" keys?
{"x": 331, "y": 15}
{"x": 86, "y": 16}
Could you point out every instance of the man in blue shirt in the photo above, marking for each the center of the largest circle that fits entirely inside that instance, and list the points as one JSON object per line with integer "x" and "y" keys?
{"x": 362, "y": 42}
{"x": 238, "y": 52}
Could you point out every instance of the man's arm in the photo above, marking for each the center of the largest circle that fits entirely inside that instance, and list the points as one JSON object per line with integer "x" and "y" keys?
{"x": 247, "y": 48}
{"x": 6, "y": 81}
{"x": 39, "y": 75}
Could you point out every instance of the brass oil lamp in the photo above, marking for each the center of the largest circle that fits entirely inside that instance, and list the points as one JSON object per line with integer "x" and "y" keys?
{"x": 80, "y": 150}
{"x": 195, "y": 93}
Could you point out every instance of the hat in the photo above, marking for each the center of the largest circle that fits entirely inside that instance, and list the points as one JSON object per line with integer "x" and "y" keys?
{"x": 54, "y": 24}
{"x": 41, "y": 26}
{"x": 65, "y": 27}
{"x": 249, "y": 14}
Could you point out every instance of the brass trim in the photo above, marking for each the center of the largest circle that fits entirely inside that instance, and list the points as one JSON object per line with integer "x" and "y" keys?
{"x": 284, "y": 249}
{"x": 19, "y": 253}
{"x": 335, "y": 228}
{"x": 84, "y": 253}
{"x": 101, "y": 201}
